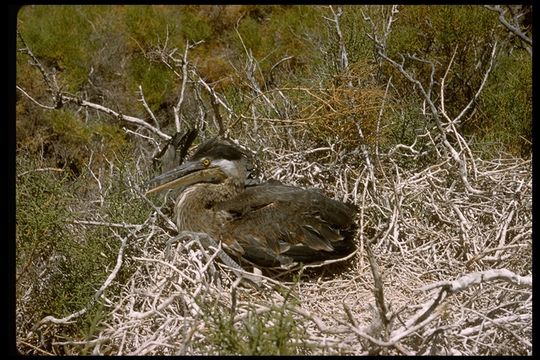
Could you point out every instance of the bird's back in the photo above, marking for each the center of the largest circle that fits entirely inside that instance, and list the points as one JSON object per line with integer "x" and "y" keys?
{"x": 276, "y": 224}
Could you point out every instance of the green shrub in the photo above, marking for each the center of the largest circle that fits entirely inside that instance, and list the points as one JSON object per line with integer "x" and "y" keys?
{"x": 59, "y": 35}
{"x": 266, "y": 333}
{"x": 434, "y": 33}
{"x": 504, "y": 121}
{"x": 60, "y": 264}
{"x": 193, "y": 26}
{"x": 147, "y": 26}
{"x": 158, "y": 83}
{"x": 42, "y": 210}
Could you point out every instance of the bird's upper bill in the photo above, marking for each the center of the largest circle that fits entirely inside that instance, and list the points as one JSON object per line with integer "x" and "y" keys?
{"x": 189, "y": 173}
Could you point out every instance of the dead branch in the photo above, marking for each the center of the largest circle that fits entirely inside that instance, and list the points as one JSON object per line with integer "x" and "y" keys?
{"x": 147, "y": 108}
{"x": 60, "y": 98}
{"x": 39, "y": 170}
{"x": 458, "y": 157}
{"x": 480, "y": 277}
{"x": 129, "y": 119}
{"x": 34, "y": 100}
{"x": 178, "y": 107}
{"x": 514, "y": 27}
{"x": 343, "y": 57}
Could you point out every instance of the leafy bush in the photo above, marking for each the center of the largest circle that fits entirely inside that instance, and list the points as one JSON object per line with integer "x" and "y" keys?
{"x": 49, "y": 278}
{"x": 506, "y": 108}
{"x": 60, "y": 264}
{"x": 272, "y": 332}
{"x": 49, "y": 30}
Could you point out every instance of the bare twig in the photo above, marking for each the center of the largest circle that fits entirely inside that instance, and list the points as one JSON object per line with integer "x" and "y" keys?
{"x": 34, "y": 100}
{"x": 469, "y": 280}
{"x": 514, "y": 28}
{"x": 178, "y": 107}
{"x": 147, "y": 108}
{"x": 40, "y": 170}
{"x": 108, "y": 111}
{"x": 60, "y": 98}
{"x": 343, "y": 56}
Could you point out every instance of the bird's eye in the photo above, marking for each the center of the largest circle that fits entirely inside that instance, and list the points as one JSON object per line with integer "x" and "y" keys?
{"x": 205, "y": 162}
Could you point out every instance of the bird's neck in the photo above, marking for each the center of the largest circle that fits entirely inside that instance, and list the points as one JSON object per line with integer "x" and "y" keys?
{"x": 194, "y": 206}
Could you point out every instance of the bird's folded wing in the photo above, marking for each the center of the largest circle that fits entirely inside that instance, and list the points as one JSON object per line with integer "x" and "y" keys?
{"x": 277, "y": 224}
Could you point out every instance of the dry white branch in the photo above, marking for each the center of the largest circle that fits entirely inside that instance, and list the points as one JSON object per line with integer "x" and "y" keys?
{"x": 147, "y": 108}
{"x": 176, "y": 290}
{"x": 458, "y": 157}
{"x": 514, "y": 28}
{"x": 129, "y": 119}
{"x": 476, "y": 278}
{"x": 481, "y": 87}
{"x": 213, "y": 93}
{"x": 504, "y": 320}
{"x": 34, "y": 100}
{"x": 40, "y": 170}
{"x": 59, "y": 98}
{"x": 178, "y": 107}
{"x": 50, "y": 81}
{"x": 108, "y": 224}
{"x": 380, "y": 39}
{"x": 343, "y": 57}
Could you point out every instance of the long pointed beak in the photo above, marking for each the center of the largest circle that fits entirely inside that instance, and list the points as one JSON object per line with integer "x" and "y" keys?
{"x": 189, "y": 173}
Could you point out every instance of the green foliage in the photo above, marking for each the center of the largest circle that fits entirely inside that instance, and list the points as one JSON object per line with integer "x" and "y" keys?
{"x": 275, "y": 32}
{"x": 68, "y": 126}
{"x": 437, "y": 30}
{"x": 506, "y": 107}
{"x": 194, "y": 27}
{"x": 354, "y": 30}
{"x": 147, "y": 25}
{"x": 252, "y": 38}
{"x": 296, "y": 31}
{"x": 60, "y": 265}
{"x": 60, "y": 35}
{"x": 110, "y": 138}
{"x": 43, "y": 201}
{"x": 69, "y": 141}
{"x": 92, "y": 325}
{"x": 259, "y": 333}
{"x": 434, "y": 33}
{"x": 122, "y": 204}
{"x": 42, "y": 208}
{"x": 121, "y": 57}
{"x": 157, "y": 84}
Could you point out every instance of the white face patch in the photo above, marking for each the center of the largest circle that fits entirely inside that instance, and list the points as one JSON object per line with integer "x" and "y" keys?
{"x": 229, "y": 167}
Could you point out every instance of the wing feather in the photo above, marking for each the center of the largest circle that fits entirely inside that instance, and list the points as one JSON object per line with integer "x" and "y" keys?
{"x": 276, "y": 224}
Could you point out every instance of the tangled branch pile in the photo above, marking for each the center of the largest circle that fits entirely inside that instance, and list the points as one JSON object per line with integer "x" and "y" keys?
{"x": 447, "y": 261}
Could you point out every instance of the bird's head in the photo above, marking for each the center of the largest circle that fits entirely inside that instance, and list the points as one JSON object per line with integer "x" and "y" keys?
{"x": 213, "y": 162}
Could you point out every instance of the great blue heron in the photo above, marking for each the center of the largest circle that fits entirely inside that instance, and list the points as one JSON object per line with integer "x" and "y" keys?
{"x": 269, "y": 224}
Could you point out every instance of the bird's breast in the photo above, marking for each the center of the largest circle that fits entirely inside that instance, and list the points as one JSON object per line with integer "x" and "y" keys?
{"x": 195, "y": 211}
